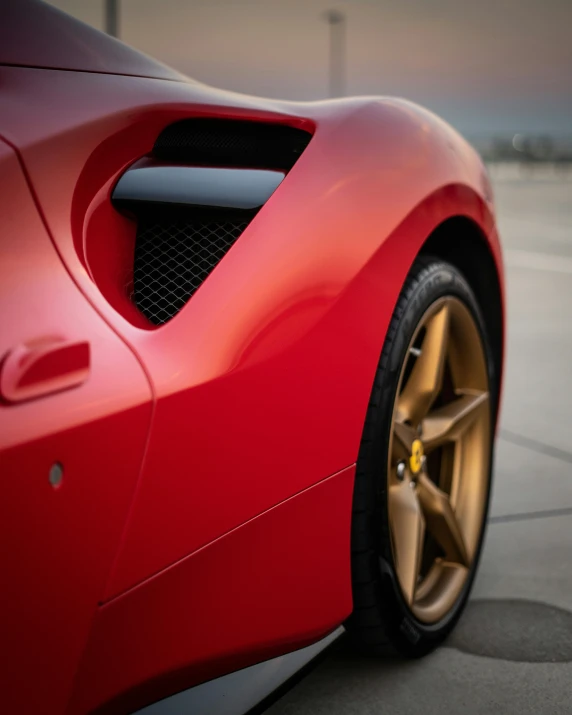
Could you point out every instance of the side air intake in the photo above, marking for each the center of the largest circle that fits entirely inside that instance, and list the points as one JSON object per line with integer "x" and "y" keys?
{"x": 194, "y": 197}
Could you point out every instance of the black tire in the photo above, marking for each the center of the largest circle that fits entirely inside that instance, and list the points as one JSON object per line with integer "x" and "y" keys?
{"x": 382, "y": 622}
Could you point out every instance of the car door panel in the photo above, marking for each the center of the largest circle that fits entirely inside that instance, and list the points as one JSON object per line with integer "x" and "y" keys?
{"x": 75, "y": 410}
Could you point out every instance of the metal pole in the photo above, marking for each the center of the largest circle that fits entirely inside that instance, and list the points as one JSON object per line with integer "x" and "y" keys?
{"x": 112, "y": 17}
{"x": 337, "y": 22}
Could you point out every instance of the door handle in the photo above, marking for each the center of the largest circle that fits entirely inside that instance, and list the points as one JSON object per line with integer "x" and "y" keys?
{"x": 43, "y": 367}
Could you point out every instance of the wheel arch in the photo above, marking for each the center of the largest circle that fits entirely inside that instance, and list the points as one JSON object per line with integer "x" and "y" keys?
{"x": 460, "y": 241}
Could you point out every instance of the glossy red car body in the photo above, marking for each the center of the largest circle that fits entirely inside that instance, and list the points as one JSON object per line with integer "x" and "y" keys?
{"x": 202, "y": 520}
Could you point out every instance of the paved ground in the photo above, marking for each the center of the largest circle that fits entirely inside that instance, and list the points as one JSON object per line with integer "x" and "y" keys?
{"x": 512, "y": 651}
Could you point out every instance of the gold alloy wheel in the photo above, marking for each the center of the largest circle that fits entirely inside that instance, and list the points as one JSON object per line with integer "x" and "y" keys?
{"x": 439, "y": 454}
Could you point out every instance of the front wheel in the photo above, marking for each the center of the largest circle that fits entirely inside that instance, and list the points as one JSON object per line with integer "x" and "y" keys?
{"x": 424, "y": 468}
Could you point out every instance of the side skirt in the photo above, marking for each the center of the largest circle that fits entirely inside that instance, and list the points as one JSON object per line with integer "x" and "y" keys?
{"x": 238, "y": 693}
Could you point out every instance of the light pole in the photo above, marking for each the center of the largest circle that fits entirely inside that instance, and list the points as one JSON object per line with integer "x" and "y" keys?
{"x": 112, "y": 17}
{"x": 337, "y": 22}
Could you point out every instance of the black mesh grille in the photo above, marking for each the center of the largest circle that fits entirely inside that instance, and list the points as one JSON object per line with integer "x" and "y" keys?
{"x": 173, "y": 258}
{"x": 228, "y": 142}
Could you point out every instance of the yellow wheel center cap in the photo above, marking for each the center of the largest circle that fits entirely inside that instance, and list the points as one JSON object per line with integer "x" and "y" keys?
{"x": 416, "y": 458}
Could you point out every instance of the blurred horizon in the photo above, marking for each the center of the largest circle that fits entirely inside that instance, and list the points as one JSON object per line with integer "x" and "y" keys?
{"x": 489, "y": 68}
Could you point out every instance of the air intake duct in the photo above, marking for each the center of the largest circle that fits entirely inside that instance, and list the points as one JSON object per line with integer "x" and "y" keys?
{"x": 193, "y": 198}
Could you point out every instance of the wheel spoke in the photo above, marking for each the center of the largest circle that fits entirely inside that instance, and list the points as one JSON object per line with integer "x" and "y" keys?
{"x": 426, "y": 376}
{"x": 441, "y": 520}
{"x": 408, "y": 531}
{"x": 448, "y": 423}
{"x": 403, "y": 438}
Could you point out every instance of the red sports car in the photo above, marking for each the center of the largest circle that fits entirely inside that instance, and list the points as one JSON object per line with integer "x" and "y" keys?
{"x": 251, "y": 365}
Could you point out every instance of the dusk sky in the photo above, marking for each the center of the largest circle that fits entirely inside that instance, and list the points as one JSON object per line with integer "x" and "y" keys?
{"x": 487, "y": 66}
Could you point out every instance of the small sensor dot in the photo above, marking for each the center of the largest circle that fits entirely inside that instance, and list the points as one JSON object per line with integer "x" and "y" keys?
{"x": 56, "y": 474}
